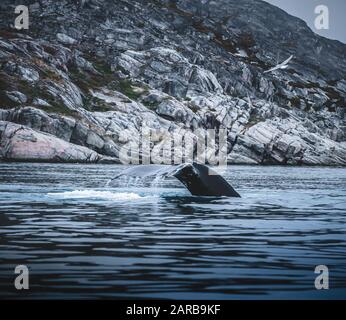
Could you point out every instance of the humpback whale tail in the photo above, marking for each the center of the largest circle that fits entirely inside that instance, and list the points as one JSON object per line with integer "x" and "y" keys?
{"x": 197, "y": 178}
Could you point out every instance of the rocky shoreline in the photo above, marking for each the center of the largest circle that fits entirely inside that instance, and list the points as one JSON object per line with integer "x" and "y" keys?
{"x": 32, "y": 135}
{"x": 78, "y": 92}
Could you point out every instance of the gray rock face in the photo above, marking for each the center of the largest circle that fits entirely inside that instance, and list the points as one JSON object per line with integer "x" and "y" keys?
{"x": 65, "y": 39}
{"x": 20, "y": 143}
{"x": 59, "y": 126}
{"x": 17, "y": 96}
{"x": 169, "y": 71}
{"x": 106, "y": 71}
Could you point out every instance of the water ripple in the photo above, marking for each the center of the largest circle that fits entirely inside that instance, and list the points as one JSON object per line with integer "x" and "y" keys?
{"x": 83, "y": 239}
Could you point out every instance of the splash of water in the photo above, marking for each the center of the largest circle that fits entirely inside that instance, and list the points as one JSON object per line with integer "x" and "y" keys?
{"x": 93, "y": 194}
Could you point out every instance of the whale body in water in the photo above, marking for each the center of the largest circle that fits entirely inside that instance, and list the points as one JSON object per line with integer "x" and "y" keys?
{"x": 199, "y": 179}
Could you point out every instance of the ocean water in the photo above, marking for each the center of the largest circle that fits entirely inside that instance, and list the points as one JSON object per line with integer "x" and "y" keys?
{"x": 81, "y": 238}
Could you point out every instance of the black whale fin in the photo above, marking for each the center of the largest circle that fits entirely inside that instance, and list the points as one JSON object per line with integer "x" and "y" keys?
{"x": 198, "y": 180}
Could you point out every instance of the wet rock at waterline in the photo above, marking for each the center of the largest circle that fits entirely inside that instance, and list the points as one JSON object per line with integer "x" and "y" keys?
{"x": 20, "y": 143}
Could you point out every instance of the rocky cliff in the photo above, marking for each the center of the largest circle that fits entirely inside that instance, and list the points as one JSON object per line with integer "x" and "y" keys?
{"x": 89, "y": 75}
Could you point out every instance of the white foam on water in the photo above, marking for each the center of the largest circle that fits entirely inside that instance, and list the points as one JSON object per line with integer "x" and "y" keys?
{"x": 93, "y": 194}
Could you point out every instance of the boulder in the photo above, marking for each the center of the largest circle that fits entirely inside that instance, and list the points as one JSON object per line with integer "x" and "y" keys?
{"x": 20, "y": 143}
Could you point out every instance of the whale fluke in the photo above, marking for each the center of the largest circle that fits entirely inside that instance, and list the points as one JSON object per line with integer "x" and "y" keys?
{"x": 202, "y": 181}
{"x": 197, "y": 178}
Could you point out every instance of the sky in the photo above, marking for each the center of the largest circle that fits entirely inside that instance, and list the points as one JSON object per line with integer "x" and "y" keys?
{"x": 305, "y": 9}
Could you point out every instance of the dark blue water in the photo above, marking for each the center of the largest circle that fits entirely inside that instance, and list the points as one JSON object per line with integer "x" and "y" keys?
{"x": 82, "y": 239}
